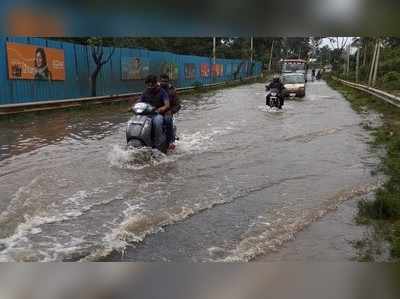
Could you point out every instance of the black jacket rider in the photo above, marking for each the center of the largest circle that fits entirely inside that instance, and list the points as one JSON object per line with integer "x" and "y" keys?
{"x": 277, "y": 84}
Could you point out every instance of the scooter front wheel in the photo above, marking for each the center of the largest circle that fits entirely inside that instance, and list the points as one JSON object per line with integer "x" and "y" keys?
{"x": 135, "y": 143}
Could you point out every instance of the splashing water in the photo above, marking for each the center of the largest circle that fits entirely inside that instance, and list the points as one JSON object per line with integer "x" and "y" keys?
{"x": 135, "y": 158}
{"x": 269, "y": 109}
{"x": 139, "y": 158}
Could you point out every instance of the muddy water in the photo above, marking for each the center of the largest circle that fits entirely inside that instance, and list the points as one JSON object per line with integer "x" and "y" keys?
{"x": 242, "y": 180}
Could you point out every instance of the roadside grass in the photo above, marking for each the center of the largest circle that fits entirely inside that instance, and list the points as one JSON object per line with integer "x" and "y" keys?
{"x": 384, "y": 211}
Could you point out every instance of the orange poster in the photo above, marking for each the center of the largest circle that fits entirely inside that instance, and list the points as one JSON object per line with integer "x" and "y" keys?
{"x": 214, "y": 70}
{"x": 204, "y": 70}
{"x": 217, "y": 70}
{"x": 35, "y": 62}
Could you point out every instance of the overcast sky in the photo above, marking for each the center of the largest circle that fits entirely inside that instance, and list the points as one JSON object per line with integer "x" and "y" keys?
{"x": 325, "y": 41}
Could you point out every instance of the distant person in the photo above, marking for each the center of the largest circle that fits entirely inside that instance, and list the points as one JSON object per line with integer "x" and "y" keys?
{"x": 319, "y": 75}
{"x": 158, "y": 98}
{"x": 313, "y": 74}
{"x": 41, "y": 71}
{"x": 174, "y": 108}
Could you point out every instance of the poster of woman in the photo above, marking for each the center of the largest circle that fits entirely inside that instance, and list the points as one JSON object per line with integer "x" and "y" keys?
{"x": 217, "y": 70}
{"x": 134, "y": 68}
{"x": 205, "y": 70}
{"x": 35, "y": 63}
{"x": 41, "y": 70}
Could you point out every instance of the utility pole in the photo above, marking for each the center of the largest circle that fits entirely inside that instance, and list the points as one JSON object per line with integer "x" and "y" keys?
{"x": 357, "y": 62}
{"x": 251, "y": 49}
{"x": 270, "y": 56}
{"x": 214, "y": 50}
{"x": 376, "y": 63}
{"x": 214, "y": 58}
{"x": 371, "y": 71}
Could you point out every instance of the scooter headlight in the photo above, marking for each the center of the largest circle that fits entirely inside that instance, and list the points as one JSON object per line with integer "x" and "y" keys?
{"x": 139, "y": 108}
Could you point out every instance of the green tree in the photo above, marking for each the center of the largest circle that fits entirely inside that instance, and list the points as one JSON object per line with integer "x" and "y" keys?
{"x": 97, "y": 52}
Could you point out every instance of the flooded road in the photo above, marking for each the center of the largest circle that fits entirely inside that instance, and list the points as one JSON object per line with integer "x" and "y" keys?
{"x": 242, "y": 180}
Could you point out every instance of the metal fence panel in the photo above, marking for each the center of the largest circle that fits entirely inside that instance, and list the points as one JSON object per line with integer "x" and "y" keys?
{"x": 79, "y": 65}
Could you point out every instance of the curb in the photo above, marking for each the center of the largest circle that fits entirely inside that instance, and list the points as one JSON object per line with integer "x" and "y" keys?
{"x": 67, "y": 103}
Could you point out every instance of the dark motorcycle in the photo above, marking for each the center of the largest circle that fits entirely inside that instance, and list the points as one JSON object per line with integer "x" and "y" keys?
{"x": 139, "y": 132}
{"x": 274, "y": 98}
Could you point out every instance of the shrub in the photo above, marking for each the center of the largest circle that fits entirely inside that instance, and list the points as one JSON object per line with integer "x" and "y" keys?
{"x": 386, "y": 206}
{"x": 396, "y": 240}
{"x": 364, "y": 73}
{"x": 391, "y": 80}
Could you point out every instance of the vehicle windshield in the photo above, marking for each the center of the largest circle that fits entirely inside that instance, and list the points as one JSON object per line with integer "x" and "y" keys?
{"x": 293, "y": 67}
{"x": 293, "y": 79}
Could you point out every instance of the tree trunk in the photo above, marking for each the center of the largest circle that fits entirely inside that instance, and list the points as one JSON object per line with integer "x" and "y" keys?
{"x": 348, "y": 62}
{"x": 236, "y": 73}
{"x": 376, "y": 64}
{"x": 371, "y": 71}
{"x": 97, "y": 55}
{"x": 365, "y": 54}
{"x": 358, "y": 64}
{"x": 270, "y": 57}
{"x": 94, "y": 80}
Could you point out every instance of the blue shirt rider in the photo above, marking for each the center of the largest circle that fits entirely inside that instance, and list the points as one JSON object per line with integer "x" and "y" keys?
{"x": 158, "y": 98}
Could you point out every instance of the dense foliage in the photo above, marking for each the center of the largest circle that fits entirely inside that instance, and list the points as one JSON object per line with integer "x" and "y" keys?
{"x": 226, "y": 47}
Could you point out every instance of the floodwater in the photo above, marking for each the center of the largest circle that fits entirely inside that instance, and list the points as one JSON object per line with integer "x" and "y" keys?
{"x": 242, "y": 181}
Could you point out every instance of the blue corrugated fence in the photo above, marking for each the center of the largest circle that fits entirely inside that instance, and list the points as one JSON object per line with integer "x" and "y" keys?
{"x": 79, "y": 65}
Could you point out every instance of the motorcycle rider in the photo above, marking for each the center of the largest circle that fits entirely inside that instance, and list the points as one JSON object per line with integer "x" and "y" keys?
{"x": 277, "y": 84}
{"x": 158, "y": 98}
{"x": 174, "y": 108}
